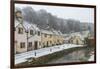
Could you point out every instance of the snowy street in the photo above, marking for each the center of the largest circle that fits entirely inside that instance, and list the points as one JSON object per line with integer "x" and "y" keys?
{"x": 19, "y": 58}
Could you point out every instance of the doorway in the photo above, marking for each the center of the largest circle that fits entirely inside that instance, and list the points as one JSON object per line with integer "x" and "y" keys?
{"x": 35, "y": 45}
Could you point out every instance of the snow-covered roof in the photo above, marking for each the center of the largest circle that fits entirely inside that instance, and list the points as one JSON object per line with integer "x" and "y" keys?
{"x": 80, "y": 36}
{"x": 26, "y": 25}
{"x": 16, "y": 23}
{"x": 67, "y": 38}
{"x": 35, "y": 27}
{"x": 77, "y": 34}
{"x": 46, "y": 31}
{"x": 66, "y": 35}
{"x": 55, "y": 32}
{"x": 60, "y": 33}
{"x": 85, "y": 33}
{"x": 52, "y": 31}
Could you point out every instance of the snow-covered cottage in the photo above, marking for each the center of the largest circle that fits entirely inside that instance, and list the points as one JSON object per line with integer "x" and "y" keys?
{"x": 58, "y": 37}
{"x": 76, "y": 38}
{"x": 51, "y": 38}
{"x": 33, "y": 36}
{"x": 19, "y": 33}
{"x": 66, "y": 38}
{"x": 85, "y": 34}
{"x": 27, "y": 35}
{"x": 47, "y": 38}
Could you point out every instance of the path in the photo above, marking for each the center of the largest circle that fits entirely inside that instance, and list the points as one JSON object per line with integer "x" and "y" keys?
{"x": 19, "y": 58}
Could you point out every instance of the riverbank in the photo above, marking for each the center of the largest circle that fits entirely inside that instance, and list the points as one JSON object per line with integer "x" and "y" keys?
{"x": 47, "y": 59}
{"x": 23, "y": 57}
{"x": 79, "y": 55}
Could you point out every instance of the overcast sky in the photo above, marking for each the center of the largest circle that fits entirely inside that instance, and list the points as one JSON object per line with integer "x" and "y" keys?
{"x": 82, "y": 14}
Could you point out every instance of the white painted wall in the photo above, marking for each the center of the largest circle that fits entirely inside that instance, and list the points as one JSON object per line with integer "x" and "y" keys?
{"x": 20, "y": 38}
{"x": 35, "y": 37}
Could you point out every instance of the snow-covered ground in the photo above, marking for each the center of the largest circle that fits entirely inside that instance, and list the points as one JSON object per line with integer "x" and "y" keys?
{"x": 19, "y": 58}
{"x": 91, "y": 58}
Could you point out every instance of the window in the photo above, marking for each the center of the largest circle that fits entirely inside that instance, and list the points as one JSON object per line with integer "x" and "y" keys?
{"x": 43, "y": 43}
{"x": 47, "y": 43}
{"x": 30, "y": 44}
{"x": 22, "y": 45}
{"x": 20, "y": 30}
{"x": 50, "y": 42}
{"x": 50, "y": 36}
{"x": 57, "y": 40}
{"x": 38, "y": 33}
{"x": 31, "y": 32}
{"x": 45, "y": 35}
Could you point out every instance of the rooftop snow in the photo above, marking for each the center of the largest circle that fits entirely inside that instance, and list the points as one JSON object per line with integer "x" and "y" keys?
{"x": 16, "y": 23}
{"x": 46, "y": 31}
{"x": 26, "y": 25}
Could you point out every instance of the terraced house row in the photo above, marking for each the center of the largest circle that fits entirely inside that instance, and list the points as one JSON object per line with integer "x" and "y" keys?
{"x": 29, "y": 37}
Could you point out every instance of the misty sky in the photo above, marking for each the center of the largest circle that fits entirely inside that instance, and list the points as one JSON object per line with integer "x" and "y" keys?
{"x": 82, "y": 14}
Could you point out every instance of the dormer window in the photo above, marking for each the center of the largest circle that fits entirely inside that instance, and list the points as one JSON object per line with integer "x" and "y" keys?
{"x": 45, "y": 35}
{"x": 50, "y": 36}
{"x": 20, "y": 30}
{"x": 38, "y": 33}
{"x": 31, "y": 32}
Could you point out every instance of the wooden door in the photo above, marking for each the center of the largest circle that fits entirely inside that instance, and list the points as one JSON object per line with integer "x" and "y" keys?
{"x": 35, "y": 45}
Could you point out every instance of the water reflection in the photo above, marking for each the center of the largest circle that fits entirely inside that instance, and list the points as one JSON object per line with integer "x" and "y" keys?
{"x": 76, "y": 56}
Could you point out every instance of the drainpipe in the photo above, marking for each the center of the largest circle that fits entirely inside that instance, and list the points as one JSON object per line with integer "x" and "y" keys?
{"x": 27, "y": 39}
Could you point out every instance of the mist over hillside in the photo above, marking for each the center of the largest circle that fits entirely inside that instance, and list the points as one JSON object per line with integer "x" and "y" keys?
{"x": 44, "y": 19}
